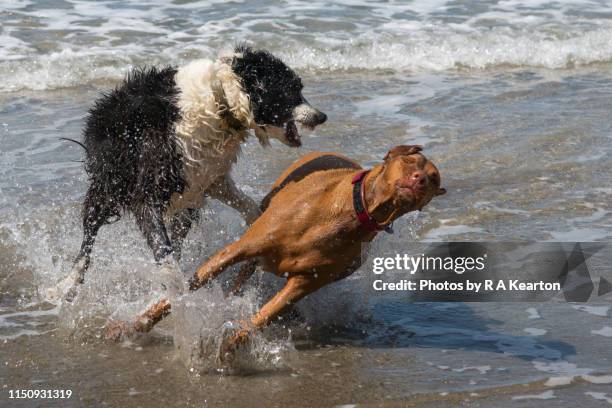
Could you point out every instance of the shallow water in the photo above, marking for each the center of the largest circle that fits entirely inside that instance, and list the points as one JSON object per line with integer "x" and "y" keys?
{"x": 510, "y": 99}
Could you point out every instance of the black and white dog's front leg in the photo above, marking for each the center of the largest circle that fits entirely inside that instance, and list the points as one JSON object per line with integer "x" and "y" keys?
{"x": 150, "y": 219}
{"x": 151, "y": 222}
{"x": 180, "y": 224}
{"x": 226, "y": 191}
{"x": 97, "y": 209}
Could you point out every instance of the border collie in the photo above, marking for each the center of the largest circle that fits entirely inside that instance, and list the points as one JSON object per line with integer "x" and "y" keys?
{"x": 166, "y": 138}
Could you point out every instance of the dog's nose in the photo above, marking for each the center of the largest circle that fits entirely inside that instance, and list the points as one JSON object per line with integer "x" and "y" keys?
{"x": 309, "y": 116}
{"x": 418, "y": 178}
{"x": 319, "y": 117}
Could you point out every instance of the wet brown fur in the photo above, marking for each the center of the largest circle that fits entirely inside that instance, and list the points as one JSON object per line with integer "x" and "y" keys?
{"x": 310, "y": 234}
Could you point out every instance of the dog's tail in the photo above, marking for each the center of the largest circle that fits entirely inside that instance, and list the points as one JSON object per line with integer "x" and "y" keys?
{"x": 77, "y": 142}
{"x": 73, "y": 141}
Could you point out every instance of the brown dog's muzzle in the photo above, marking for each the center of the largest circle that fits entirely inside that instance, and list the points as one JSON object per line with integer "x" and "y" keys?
{"x": 413, "y": 186}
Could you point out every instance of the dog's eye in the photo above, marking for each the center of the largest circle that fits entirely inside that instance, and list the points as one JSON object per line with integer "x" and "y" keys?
{"x": 434, "y": 179}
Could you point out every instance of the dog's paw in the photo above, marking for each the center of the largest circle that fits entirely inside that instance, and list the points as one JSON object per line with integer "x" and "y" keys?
{"x": 194, "y": 283}
{"x": 66, "y": 290}
{"x": 117, "y": 330}
{"x": 233, "y": 337}
{"x": 53, "y": 294}
{"x": 71, "y": 294}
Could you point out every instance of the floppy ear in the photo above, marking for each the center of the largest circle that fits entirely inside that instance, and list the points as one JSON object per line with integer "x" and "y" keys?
{"x": 403, "y": 150}
{"x": 223, "y": 106}
{"x": 440, "y": 191}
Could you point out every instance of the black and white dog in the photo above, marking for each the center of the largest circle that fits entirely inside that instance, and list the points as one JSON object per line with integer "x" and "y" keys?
{"x": 166, "y": 138}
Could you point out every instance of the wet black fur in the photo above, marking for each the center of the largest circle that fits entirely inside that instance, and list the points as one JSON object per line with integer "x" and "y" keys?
{"x": 273, "y": 88}
{"x": 132, "y": 156}
{"x": 132, "y": 160}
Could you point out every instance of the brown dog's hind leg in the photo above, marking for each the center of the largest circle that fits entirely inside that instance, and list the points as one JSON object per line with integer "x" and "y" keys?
{"x": 246, "y": 271}
{"x": 295, "y": 289}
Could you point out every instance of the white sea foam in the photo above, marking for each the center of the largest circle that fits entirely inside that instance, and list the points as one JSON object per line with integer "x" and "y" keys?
{"x": 566, "y": 380}
{"x": 481, "y": 369}
{"x": 533, "y": 331}
{"x": 594, "y": 310}
{"x": 62, "y": 69}
{"x": 605, "y": 331}
{"x": 598, "y": 379}
{"x": 543, "y": 396}
{"x": 561, "y": 367}
{"x": 600, "y": 396}
{"x": 559, "y": 381}
{"x": 533, "y": 313}
{"x": 445, "y": 49}
{"x": 92, "y": 41}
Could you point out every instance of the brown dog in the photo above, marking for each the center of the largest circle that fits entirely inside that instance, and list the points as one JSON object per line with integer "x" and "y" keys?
{"x": 317, "y": 216}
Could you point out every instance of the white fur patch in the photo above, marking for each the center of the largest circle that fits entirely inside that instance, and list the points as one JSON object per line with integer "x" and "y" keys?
{"x": 209, "y": 145}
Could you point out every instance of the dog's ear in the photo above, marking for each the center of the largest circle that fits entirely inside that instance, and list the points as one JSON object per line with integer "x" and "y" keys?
{"x": 440, "y": 191}
{"x": 223, "y": 107}
{"x": 402, "y": 150}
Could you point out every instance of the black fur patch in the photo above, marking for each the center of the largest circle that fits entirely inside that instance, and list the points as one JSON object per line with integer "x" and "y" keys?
{"x": 132, "y": 160}
{"x": 273, "y": 88}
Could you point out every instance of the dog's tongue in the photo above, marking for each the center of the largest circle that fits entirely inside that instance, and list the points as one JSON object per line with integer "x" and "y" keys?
{"x": 292, "y": 135}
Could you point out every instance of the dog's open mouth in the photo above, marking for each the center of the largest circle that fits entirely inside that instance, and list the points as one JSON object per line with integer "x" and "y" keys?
{"x": 292, "y": 135}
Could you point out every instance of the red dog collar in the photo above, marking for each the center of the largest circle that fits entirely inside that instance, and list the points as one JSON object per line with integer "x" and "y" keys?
{"x": 360, "y": 207}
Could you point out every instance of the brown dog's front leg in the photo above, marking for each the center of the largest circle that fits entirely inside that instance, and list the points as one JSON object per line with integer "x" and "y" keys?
{"x": 145, "y": 322}
{"x": 237, "y": 252}
{"x": 142, "y": 324}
